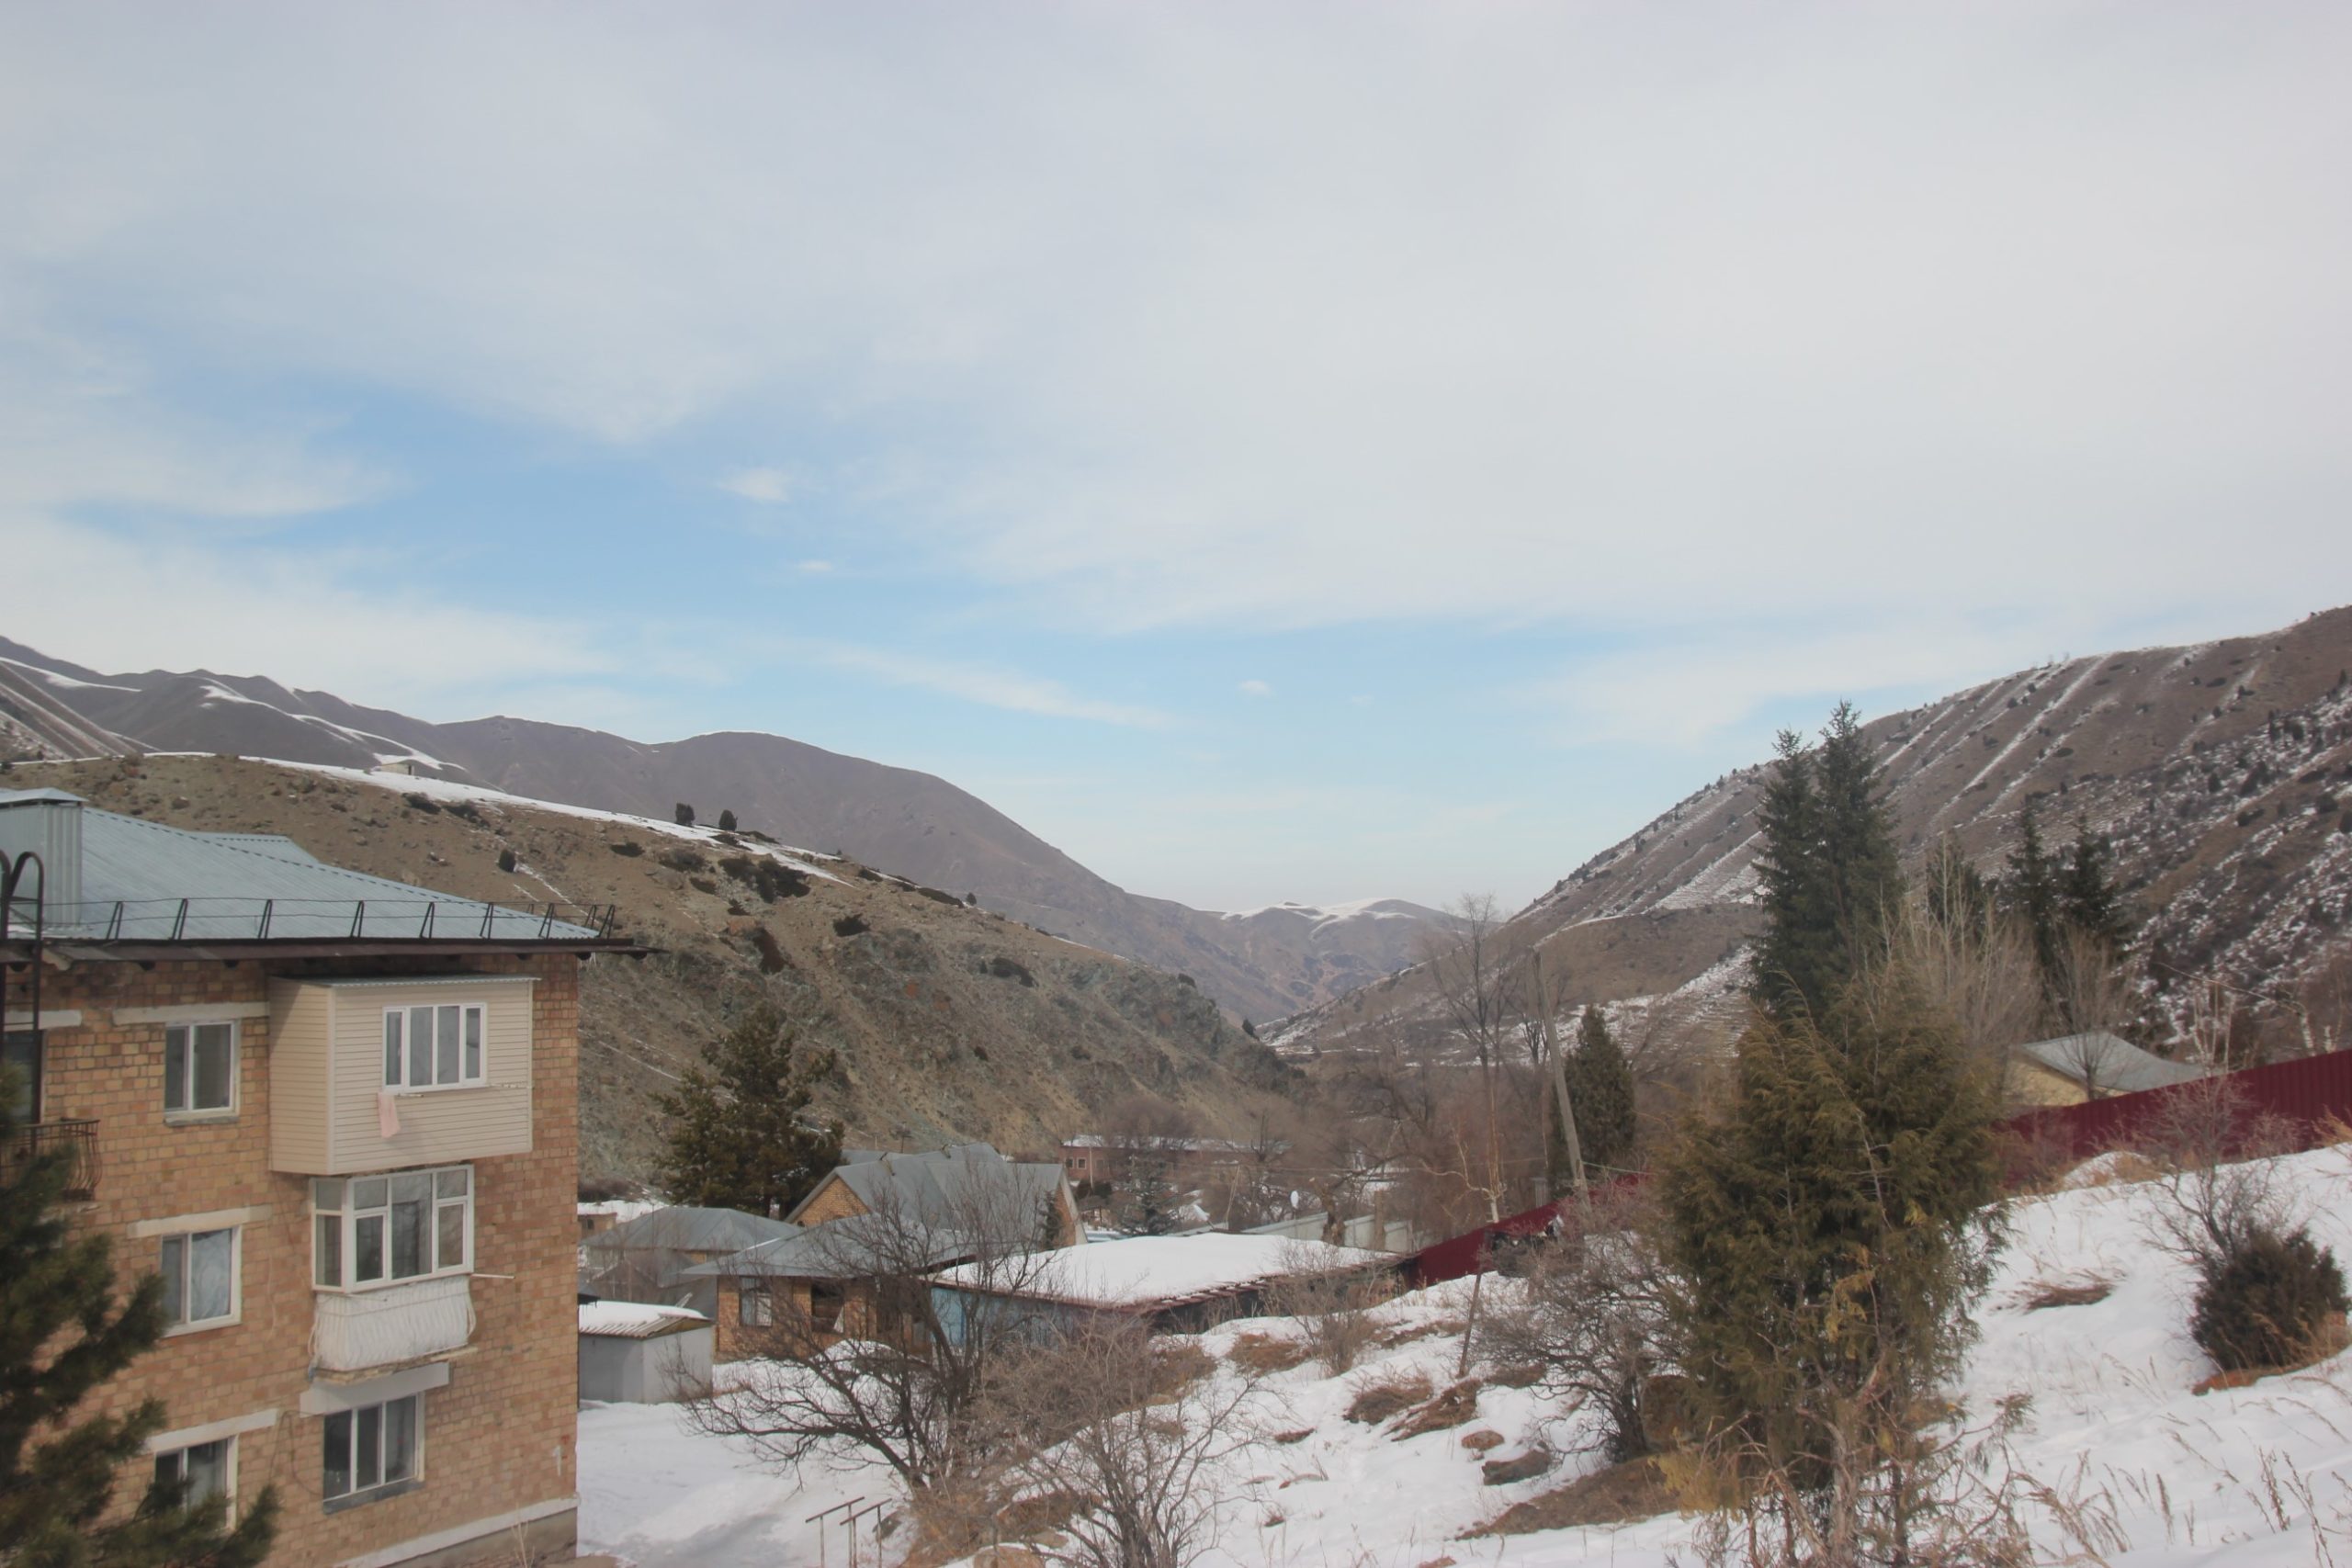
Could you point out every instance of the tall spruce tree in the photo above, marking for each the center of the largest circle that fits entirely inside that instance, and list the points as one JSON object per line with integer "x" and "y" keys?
{"x": 741, "y": 1137}
{"x": 1828, "y": 869}
{"x": 63, "y": 1333}
{"x": 2088, "y": 896}
{"x": 1601, "y": 1089}
{"x": 2032, "y": 892}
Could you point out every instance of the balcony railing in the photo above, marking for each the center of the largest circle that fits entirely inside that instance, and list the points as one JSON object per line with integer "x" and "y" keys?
{"x": 77, "y": 1141}
{"x": 383, "y": 1328}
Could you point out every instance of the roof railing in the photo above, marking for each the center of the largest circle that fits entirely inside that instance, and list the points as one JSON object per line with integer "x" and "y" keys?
{"x": 296, "y": 919}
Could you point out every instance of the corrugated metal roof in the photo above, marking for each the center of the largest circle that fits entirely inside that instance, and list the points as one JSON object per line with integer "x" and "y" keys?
{"x": 939, "y": 1184}
{"x": 684, "y": 1229}
{"x": 2107, "y": 1063}
{"x": 145, "y": 882}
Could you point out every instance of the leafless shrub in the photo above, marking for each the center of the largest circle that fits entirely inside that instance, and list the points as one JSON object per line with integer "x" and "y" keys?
{"x": 1591, "y": 1316}
{"x": 2044, "y": 1295}
{"x": 1264, "y": 1353}
{"x": 1092, "y": 1418}
{"x": 2219, "y": 1189}
{"x": 1333, "y": 1310}
{"x": 1389, "y": 1393}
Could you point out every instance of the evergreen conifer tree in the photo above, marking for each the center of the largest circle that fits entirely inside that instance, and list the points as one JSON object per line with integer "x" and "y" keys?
{"x": 685, "y": 815}
{"x": 727, "y": 821}
{"x": 740, "y": 1134}
{"x": 1830, "y": 1227}
{"x": 2087, "y": 897}
{"x": 63, "y": 1333}
{"x": 2032, "y": 892}
{"x": 1601, "y": 1089}
{"x": 1829, "y": 873}
{"x": 1151, "y": 1202}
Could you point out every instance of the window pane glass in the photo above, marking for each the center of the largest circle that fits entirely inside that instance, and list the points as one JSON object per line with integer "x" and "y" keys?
{"x": 450, "y": 1183}
{"x": 368, "y": 1192}
{"x": 326, "y": 1252}
{"x": 212, "y": 1269}
{"x": 368, "y": 1248}
{"x": 174, "y": 1269}
{"x": 337, "y": 1472}
{"x": 420, "y": 1046}
{"x": 326, "y": 1195}
{"x": 446, "y": 1060}
{"x": 175, "y": 1068}
{"x": 216, "y": 1057}
{"x": 407, "y": 1239}
{"x": 167, "y": 1469}
{"x": 391, "y": 1049}
{"x": 412, "y": 1187}
{"x": 399, "y": 1439}
{"x": 208, "y": 1471}
{"x": 449, "y": 1249}
{"x": 473, "y": 1043}
{"x": 22, "y": 1051}
{"x": 367, "y": 1464}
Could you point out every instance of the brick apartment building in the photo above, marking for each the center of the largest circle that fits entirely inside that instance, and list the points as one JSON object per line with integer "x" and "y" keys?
{"x": 338, "y": 1114}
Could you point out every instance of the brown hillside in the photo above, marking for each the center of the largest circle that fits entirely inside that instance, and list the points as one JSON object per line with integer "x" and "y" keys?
{"x": 949, "y": 1022}
{"x": 2222, "y": 772}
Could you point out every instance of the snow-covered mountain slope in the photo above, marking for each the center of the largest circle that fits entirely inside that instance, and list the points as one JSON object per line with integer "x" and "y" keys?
{"x": 2101, "y": 1396}
{"x": 2222, "y": 772}
{"x": 908, "y": 822}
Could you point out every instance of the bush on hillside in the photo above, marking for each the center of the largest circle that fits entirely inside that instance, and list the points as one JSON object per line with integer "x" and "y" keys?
{"x": 2268, "y": 1301}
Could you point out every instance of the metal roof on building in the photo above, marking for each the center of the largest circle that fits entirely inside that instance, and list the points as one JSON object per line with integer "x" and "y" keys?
{"x": 145, "y": 882}
{"x": 2107, "y": 1063}
{"x": 680, "y": 1228}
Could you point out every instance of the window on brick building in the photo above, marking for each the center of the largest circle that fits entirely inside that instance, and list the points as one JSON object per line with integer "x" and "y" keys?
{"x": 201, "y": 1470}
{"x": 199, "y": 1068}
{"x": 373, "y": 1447}
{"x": 375, "y": 1230}
{"x": 755, "y": 1306}
{"x": 200, "y": 1270}
{"x": 434, "y": 1048}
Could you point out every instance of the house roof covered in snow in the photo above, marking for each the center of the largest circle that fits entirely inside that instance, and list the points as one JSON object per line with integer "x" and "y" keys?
{"x": 1154, "y": 1271}
{"x": 637, "y": 1320}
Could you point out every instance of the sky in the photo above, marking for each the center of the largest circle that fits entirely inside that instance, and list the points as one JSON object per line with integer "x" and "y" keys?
{"x": 1273, "y": 451}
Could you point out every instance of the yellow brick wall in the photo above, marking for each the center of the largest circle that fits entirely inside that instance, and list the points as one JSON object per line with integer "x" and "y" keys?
{"x": 500, "y": 1436}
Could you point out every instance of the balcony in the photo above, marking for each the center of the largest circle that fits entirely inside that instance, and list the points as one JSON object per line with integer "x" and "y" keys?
{"x": 389, "y": 1327}
{"x": 77, "y": 1141}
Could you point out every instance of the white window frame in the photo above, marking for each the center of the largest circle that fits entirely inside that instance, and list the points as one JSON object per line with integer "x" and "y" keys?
{"x": 762, "y": 1315}
{"x": 180, "y": 1038}
{"x": 354, "y": 1419}
{"x": 228, "y": 1468}
{"x": 236, "y": 1276}
{"x": 469, "y": 1059}
{"x": 346, "y": 1218}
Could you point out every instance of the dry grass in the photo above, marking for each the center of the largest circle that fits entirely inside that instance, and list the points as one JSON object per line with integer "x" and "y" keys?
{"x": 1177, "y": 1366}
{"x": 1618, "y": 1495}
{"x": 1299, "y": 1434}
{"x": 1392, "y": 1393}
{"x": 1456, "y": 1406}
{"x": 1481, "y": 1440}
{"x": 1266, "y": 1353}
{"x": 2043, "y": 1294}
{"x": 1524, "y": 1376}
{"x": 1413, "y": 1331}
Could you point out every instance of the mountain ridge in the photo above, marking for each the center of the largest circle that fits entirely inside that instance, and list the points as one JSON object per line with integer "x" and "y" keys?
{"x": 902, "y": 819}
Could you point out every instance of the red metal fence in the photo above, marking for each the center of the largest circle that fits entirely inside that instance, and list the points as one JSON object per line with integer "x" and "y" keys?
{"x": 2302, "y": 1095}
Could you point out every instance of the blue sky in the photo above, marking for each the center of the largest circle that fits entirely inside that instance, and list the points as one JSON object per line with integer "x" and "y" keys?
{"x": 1303, "y": 451}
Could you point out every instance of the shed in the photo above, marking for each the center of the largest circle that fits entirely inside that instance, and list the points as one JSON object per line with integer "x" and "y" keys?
{"x": 634, "y": 1354}
{"x": 2093, "y": 1066}
{"x": 646, "y": 1258}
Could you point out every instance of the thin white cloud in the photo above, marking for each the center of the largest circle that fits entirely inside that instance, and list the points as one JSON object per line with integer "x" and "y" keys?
{"x": 771, "y": 487}
{"x": 1561, "y": 314}
{"x": 975, "y": 682}
{"x": 815, "y": 568}
{"x": 1256, "y": 688}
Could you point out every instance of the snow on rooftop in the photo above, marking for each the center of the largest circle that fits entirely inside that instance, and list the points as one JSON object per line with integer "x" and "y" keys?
{"x": 636, "y": 1320}
{"x": 1147, "y": 1269}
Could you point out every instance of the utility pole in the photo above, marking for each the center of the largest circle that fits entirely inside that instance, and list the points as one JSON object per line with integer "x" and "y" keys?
{"x": 1559, "y": 1078}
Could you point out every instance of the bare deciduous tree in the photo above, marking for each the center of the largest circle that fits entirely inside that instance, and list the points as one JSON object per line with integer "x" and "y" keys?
{"x": 875, "y": 1365}
{"x": 1105, "y": 1423}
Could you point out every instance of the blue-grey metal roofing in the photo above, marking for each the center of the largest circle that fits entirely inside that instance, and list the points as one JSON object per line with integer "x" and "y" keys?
{"x": 942, "y": 1183}
{"x": 151, "y": 873}
{"x": 2107, "y": 1063}
{"x": 687, "y": 1229}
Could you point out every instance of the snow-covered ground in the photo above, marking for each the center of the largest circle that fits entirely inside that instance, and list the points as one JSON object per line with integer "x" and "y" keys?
{"x": 2260, "y": 1475}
